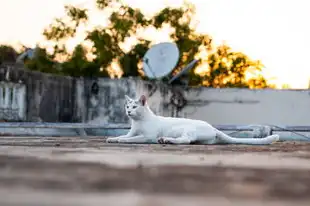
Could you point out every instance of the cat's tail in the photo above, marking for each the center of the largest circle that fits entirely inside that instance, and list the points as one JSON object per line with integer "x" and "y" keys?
{"x": 252, "y": 141}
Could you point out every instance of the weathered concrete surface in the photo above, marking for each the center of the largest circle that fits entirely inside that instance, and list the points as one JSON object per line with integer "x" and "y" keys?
{"x": 49, "y": 98}
{"x": 123, "y": 157}
{"x": 216, "y": 106}
{"x": 53, "y": 98}
{"x": 30, "y": 198}
{"x": 75, "y": 171}
{"x": 244, "y": 106}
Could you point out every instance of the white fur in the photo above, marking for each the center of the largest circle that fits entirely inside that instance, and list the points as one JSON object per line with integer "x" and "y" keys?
{"x": 147, "y": 127}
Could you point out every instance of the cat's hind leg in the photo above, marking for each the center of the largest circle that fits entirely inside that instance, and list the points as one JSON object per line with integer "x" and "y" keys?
{"x": 170, "y": 140}
{"x": 188, "y": 136}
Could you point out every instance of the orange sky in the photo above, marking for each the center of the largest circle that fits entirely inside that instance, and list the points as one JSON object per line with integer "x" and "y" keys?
{"x": 274, "y": 31}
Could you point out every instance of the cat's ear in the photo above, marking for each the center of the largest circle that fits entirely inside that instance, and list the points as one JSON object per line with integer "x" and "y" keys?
{"x": 142, "y": 100}
{"x": 127, "y": 98}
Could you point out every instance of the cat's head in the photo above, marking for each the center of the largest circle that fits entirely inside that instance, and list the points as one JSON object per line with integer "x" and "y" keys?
{"x": 135, "y": 108}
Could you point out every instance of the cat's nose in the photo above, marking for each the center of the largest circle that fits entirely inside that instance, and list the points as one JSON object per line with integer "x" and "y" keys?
{"x": 129, "y": 112}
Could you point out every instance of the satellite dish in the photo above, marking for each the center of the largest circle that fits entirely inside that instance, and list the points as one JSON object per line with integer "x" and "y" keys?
{"x": 160, "y": 60}
{"x": 29, "y": 53}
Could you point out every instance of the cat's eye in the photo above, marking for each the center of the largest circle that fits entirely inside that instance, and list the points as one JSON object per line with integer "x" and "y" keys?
{"x": 134, "y": 107}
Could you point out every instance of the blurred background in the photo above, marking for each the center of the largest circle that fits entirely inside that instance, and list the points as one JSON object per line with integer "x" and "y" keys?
{"x": 257, "y": 43}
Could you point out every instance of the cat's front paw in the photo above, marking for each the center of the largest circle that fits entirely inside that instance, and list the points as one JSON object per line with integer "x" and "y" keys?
{"x": 123, "y": 140}
{"x": 112, "y": 140}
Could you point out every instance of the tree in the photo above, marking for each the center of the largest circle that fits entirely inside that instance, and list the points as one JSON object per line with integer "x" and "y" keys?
{"x": 78, "y": 64}
{"x": 7, "y": 54}
{"x": 227, "y": 68}
{"x": 126, "y": 22}
{"x": 42, "y": 61}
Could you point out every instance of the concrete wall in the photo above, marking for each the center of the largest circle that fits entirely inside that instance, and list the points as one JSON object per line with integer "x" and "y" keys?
{"x": 217, "y": 106}
{"x": 242, "y": 106}
{"x": 41, "y": 97}
{"x": 107, "y": 105}
{"x": 12, "y": 101}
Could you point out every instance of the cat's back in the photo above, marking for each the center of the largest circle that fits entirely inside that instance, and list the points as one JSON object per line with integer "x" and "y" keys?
{"x": 180, "y": 121}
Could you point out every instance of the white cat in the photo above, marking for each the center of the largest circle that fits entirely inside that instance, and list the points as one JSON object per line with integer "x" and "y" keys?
{"x": 147, "y": 127}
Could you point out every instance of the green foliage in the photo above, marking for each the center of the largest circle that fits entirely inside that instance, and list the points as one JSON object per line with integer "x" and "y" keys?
{"x": 125, "y": 22}
{"x": 102, "y": 4}
{"x": 229, "y": 69}
{"x": 7, "y": 54}
{"x": 129, "y": 61}
{"x": 78, "y": 64}
{"x": 106, "y": 47}
{"x": 77, "y": 15}
{"x": 42, "y": 62}
{"x": 184, "y": 36}
{"x": 226, "y": 68}
{"x": 59, "y": 30}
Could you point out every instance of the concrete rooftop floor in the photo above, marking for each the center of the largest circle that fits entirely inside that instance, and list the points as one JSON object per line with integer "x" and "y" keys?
{"x": 87, "y": 171}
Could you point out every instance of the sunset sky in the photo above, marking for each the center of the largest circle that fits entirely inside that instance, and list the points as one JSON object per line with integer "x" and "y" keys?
{"x": 275, "y": 31}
